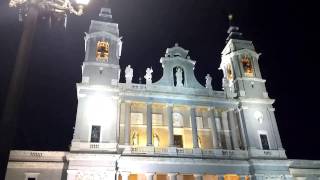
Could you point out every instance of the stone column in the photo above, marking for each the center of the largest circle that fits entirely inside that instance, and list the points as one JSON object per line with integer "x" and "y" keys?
{"x": 127, "y": 123}
{"x": 275, "y": 128}
{"x": 197, "y": 176}
{"x": 125, "y": 175}
{"x": 233, "y": 129}
{"x": 149, "y": 176}
{"x": 170, "y": 124}
{"x": 149, "y": 124}
{"x": 242, "y": 129}
{"x": 172, "y": 176}
{"x": 217, "y": 121}
{"x": 194, "y": 127}
{"x": 214, "y": 133}
{"x": 225, "y": 125}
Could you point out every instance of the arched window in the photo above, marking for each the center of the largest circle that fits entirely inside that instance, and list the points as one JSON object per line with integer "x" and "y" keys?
{"x": 178, "y": 76}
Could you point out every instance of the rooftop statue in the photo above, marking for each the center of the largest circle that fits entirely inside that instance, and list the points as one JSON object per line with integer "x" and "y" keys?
{"x": 129, "y": 74}
{"x": 148, "y": 75}
{"x": 208, "y": 81}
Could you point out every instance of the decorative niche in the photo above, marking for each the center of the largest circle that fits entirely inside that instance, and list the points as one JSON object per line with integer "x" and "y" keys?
{"x": 247, "y": 66}
{"x": 229, "y": 72}
{"x": 102, "y": 51}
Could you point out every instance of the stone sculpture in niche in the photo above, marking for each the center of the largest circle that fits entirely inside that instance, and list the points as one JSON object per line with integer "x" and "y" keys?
{"x": 179, "y": 77}
{"x": 135, "y": 138}
{"x": 148, "y": 75}
{"x": 208, "y": 81}
{"x": 229, "y": 72}
{"x": 129, "y": 74}
{"x": 156, "y": 140}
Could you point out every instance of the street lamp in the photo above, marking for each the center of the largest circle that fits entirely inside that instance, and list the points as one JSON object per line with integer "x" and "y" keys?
{"x": 29, "y": 11}
{"x": 50, "y": 8}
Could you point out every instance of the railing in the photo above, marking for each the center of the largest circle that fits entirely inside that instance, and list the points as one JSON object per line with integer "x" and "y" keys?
{"x": 94, "y": 146}
{"x": 161, "y": 88}
{"x": 85, "y": 146}
{"x": 172, "y": 151}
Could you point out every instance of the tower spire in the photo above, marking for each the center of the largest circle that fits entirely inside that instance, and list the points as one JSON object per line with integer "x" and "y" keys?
{"x": 233, "y": 30}
{"x": 105, "y": 14}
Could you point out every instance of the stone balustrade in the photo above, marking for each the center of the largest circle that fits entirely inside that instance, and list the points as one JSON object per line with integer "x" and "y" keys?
{"x": 187, "y": 152}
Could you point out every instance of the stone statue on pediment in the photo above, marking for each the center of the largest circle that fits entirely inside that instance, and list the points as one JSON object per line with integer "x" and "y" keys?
{"x": 128, "y": 74}
{"x": 208, "y": 81}
{"x": 179, "y": 77}
{"x": 148, "y": 75}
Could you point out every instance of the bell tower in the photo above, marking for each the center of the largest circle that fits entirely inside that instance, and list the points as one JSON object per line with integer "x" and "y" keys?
{"x": 242, "y": 80}
{"x": 98, "y": 110}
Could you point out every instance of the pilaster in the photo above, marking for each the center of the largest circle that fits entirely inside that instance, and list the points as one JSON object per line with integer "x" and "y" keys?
{"x": 149, "y": 124}
{"x": 214, "y": 132}
{"x": 194, "y": 128}
{"x": 127, "y": 123}
{"x": 170, "y": 124}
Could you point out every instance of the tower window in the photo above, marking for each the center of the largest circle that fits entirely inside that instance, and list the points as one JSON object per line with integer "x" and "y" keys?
{"x": 247, "y": 66}
{"x": 229, "y": 72}
{"x": 102, "y": 52}
{"x": 264, "y": 141}
{"x": 95, "y": 133}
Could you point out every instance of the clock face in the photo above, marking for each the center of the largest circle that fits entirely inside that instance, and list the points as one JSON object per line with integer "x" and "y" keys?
{"x": 247, "y": 65}
{"x": 102, "y": 51}
{"x": 229, "y": 72}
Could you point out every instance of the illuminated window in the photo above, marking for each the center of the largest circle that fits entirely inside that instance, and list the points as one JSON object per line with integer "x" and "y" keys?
{"x": 247, "y": 66}
{"x": 264, "y": 141}
{"x": 102, "y": 52}
{"x": 229, "y": 72}
{"x": 177, "y": 120}
{"x": 199, "y": 121}
{"x": 136, "y": 118}
{"x": 95, "y": 133}
{"x": 231, "y": 177}
{"x": 157, "y": 119}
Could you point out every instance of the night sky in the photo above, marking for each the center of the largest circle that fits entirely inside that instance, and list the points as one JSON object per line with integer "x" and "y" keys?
{"x": 283, "y": 31}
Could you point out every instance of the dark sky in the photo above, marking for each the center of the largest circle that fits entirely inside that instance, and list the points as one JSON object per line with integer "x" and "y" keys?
{"x": 283, "y": 31}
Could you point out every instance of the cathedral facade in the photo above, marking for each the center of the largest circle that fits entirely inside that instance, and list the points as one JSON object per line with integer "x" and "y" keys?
{"x": 174, "y": 128}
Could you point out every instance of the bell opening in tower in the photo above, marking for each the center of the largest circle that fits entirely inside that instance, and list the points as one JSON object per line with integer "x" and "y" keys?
{"x": 102, "y": 52}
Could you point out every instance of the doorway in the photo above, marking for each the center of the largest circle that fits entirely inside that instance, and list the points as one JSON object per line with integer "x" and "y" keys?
{"x": 177, "y": 140}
